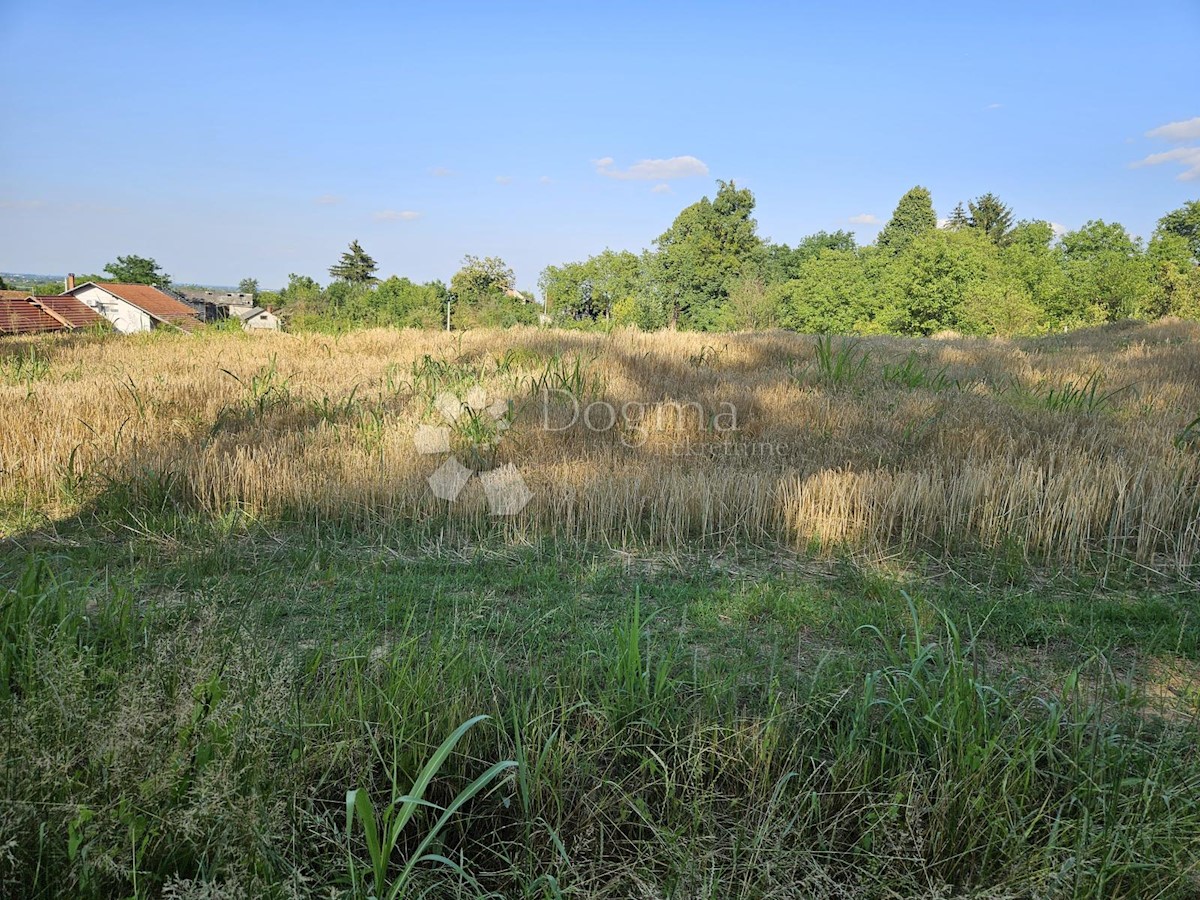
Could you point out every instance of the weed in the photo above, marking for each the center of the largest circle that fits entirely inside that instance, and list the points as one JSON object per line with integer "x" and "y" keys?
{"x": 914, "y": 373}
{"x": 383, "y": 833}
{"x": 835, "y": 363}
{"x": 24, "y": 367}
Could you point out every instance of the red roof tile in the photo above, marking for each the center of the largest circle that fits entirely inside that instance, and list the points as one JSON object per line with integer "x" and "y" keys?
{"x": 77, "y": 313}
{"x": 152, "y": 300}
{"x": 20, "y": 316}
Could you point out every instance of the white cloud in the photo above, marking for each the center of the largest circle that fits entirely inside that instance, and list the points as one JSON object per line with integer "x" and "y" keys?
{"x": 995, "y": 106}
{"x": 1188, "y": 157}
{"x": 397, "y": 215}
{"x": 864, "y": 219}
{"x": 1188, "y": 130}
{"x": 441, "y": 172}
{"x": 663, "y": 188}
{"x": 545, "y": 179}
{"x": 1058, "y": 229}
{"x": 504, "y": 179}
{"x": 653, "y": 169}
{"x": 328, "y": 200}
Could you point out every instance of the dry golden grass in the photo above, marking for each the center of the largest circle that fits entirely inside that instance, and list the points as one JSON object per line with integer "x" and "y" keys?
{"x": 315, "y": 426}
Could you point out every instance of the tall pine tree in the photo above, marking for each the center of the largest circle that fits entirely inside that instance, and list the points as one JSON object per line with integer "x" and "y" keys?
{"x": 992, "y": 217}
{"x": 958, "y": 219}
{"x": 355, "y": 266}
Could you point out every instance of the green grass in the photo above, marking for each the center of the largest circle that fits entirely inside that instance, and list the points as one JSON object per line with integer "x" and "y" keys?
{"x": 193, "y": 706}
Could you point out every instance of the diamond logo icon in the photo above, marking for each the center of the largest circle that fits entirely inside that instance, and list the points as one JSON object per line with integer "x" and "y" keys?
{"x": 506, "y": 491}
{"x": 449, "y": 406}
{"x": 449, "y": 479}
{"x": 477, "y": 398}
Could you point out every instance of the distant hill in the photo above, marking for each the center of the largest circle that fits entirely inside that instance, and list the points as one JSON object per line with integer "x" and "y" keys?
{"x": 28, "y": 279}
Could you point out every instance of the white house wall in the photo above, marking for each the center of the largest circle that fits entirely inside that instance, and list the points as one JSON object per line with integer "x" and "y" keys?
{"x": 125, "y": 317}
{"x": 265, "y": 321}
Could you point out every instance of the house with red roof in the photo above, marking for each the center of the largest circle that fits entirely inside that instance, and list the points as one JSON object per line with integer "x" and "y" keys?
{"x": 135, "y": 307}
{"x": 27, "y": 314}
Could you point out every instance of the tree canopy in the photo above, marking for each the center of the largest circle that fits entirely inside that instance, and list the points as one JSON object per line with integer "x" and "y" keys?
{"x": 708, "y": 246}
{"x": 913, "y": 216}
{"x": 991, "y": 217}
{"x": 355, "y": 266}
{"x": 1184, "y": 222}
{"x": 138, "y": 270}
{"x": 980, "y": 273}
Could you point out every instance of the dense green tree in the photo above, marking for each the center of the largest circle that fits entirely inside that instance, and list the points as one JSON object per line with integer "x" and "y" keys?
{"x": 300, "y": 290}
{"x": 355, "y": 266}
{"x": 138, "y": 270}
{"x": 925, "y": 287}
{"x": 913, "y": 216}
{"x": 248, "y": 286}
{"x": 480, "y": 279}
{"x": 707, "y": 248}
{"x": 400, "y": 303}
{"x": 1176, "y": 277}
{"x": 1107, "y": 275}
{"x": 991, "y": 217}
{"x": 999, "y": 305}
{"x": 589, "y": 289}
{"x": 782, "y": 263}
{"x": 1097, "y": 237}
{"x": 1184, "y": 222}
{"x": 567, "y": 291}
{"x": 484, "y": 294}
{"x": 614, "y": 277}
{"x": 1032, "y": 262}
{"x": 833, "y": 292}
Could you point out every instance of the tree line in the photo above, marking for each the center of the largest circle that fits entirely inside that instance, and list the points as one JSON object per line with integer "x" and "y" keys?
{"x": 977, "y": 272}
{"x": 482, "y": 293}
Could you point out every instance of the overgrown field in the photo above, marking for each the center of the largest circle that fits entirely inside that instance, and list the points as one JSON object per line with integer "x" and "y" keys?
{"x": 781, "y": 616}
{"x": 1057, "y": 448}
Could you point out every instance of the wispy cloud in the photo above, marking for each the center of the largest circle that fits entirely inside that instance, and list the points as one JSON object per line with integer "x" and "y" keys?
{"x": 1187, "y": 130}
{"x": 396, "y": 215}
{"x": 864, "y": 219}
{"x": 663, "y": 188}
{"x": 653, "y": 169}
{"x": 504, "y": 179}
{"x": 994, "y": 106}
{"x": 328, "y": 200}
{"x": 22, "y": 204}
{"x": 1188, "y": 157}
{"x": 545, "y": 179}
{"x": 441, "y": 172}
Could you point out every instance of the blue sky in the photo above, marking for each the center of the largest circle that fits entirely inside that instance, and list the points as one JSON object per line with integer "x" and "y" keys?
{"x": 256, "y": 139}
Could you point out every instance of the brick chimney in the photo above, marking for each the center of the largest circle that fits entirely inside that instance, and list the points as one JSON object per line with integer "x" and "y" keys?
{"x": 70, "y": 282}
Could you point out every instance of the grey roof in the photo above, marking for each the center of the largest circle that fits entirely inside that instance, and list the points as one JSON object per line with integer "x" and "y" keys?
{"x": 251, "y": 313}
